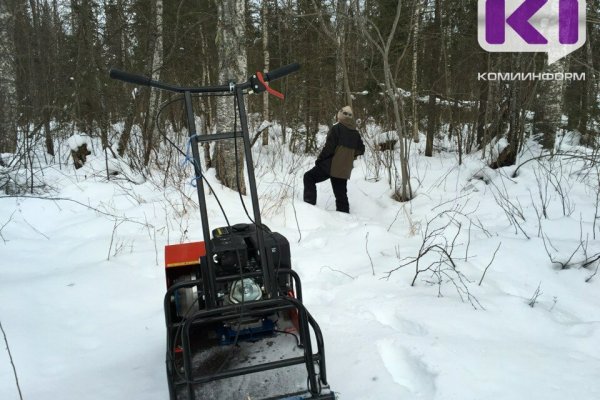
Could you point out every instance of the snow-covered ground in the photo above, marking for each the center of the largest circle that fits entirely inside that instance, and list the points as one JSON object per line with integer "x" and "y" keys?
{"x": 82, "y": 279}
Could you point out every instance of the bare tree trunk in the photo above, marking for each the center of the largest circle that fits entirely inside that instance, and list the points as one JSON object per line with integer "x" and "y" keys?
{"x": 266, "y": 59}
{"x": 415, "y": 113}
{"x": 589, "y": 92}
{"x": 8, "y": 104}
{"x": 508, "y": 155}
{"x": 126, "y": 134}
{"x": 459, "y": 136}
{"x": 490, "y": 102}
{"x": 484, "y": 88}
{"x": 282, "y": 116}
{"x": 431, "y": 117}
{"x": 550, "y": 107}
{"x": 208, "y": 103}
{"x": 309, "y": 137}
{"x": 432, "y": 107}
{"x": 514, "y": 133}
{"x": 49, "y": 140}
{"x": 339, "y": 37}
{"x": 231, "y": 47}
{"x": 454, "y": 111}
{"x": 156, "y": 64}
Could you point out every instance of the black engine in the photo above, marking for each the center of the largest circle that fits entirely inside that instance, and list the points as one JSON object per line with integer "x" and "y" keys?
{"x": 236, "y": 252}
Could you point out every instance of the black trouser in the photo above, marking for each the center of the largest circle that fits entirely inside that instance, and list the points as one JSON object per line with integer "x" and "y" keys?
{"x": 316, "y": 175}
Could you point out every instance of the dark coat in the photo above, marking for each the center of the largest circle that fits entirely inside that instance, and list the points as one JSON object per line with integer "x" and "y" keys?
{"x": 342, "y": 146}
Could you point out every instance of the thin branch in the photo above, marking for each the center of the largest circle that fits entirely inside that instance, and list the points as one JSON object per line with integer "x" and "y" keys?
{"x": 367, "y": 249}
{"x": 11, "y": 361}
{"x": 567, "y": 264}
{"x": 589, "y": 278}
{"x": 590, "y": 262}
{"x": 337, "y": 270}
{"x": 390, "y": 38}
{"x": 6, "y": 223}
{"x": 73, "y": 201}
{"x": 468, "y": 241}
{"x": 490, "y": 263}
{"x": 35, "y": 229}
{"x": 395, "y": 218}
{"x": 569, "y": 156}
{"x": 296, "y": 214}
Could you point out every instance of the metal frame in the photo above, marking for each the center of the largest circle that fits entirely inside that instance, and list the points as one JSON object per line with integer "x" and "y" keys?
{"x": 273, "y": 301}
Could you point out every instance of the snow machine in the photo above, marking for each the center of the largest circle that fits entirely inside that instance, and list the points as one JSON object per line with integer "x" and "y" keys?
{"x": 236, "y": 324}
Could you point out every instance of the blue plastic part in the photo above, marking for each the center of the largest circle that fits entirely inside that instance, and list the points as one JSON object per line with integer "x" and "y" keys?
{"x": 228, "y": 335}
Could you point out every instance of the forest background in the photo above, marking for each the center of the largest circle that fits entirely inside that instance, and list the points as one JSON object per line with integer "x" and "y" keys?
{"x": 408, "y": 66}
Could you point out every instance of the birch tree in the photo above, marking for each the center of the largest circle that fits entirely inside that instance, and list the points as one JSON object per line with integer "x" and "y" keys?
{"x": 415, "y": 113}
{"x": 231, "y": 49}
{"x": 156, "y": 65}
{"x": 8, "y": 135}
{"x": 434, "y": 78}
{"x": 266, "y": 59}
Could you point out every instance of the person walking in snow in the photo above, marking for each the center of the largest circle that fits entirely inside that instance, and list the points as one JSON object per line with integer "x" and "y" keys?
{"x": 335, "y": 162}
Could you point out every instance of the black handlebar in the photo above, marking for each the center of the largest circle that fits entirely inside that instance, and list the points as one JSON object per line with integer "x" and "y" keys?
{"x": 281, "y": 71}
{"x": 129, "y": 77}
{"x": 146, "y": 81}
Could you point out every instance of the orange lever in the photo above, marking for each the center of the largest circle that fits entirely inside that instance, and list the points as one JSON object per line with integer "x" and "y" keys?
{"x": 269, "y": 89}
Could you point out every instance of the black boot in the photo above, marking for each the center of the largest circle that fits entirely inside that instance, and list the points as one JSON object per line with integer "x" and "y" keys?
{"x": 340, "y": 191}
{"x": 311, "y": 178}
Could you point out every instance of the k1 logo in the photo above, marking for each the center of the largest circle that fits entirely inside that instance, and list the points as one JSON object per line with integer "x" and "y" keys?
{"x": 553, "y": 26}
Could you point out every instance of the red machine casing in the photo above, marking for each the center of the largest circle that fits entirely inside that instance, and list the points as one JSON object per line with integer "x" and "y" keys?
{"x": 182, "y": 259}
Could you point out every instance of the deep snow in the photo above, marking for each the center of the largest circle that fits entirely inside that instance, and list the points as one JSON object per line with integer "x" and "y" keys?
{"x": 82, "y": 280}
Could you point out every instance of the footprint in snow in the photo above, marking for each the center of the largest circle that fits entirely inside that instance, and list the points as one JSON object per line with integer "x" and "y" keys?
{"x": 407, "y": 370}
{"x": 386, "y": 317}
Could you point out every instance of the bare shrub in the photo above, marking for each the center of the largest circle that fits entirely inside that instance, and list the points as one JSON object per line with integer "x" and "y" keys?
{"x": 579, "y": 257}
{"x": 436, "y": 256}
{"x": 512, "y": 208}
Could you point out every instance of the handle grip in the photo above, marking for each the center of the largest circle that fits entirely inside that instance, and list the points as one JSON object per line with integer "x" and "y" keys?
{"x": 281, "y": 71}
{"x": 129, "y": 77}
